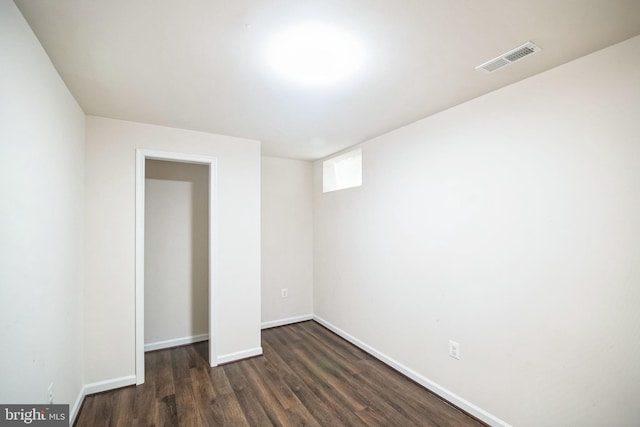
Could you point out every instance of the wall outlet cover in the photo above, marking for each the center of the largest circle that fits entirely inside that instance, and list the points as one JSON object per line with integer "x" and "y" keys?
{"x": 454, "y": 349}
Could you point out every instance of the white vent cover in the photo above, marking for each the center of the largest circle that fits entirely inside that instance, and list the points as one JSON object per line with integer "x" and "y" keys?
{"x": 510, "y": 57}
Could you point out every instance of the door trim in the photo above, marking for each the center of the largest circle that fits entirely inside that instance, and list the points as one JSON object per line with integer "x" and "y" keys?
{"x": 141, "y": 156}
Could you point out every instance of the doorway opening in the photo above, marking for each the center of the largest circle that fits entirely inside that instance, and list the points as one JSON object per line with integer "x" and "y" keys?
{"x": 175, "y": 252}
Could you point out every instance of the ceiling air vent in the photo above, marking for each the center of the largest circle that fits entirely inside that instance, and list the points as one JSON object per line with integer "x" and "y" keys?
{"x": 510, "y": 57}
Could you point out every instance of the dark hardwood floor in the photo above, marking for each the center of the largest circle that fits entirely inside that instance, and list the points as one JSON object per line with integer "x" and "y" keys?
{"x": 308, "y": 376}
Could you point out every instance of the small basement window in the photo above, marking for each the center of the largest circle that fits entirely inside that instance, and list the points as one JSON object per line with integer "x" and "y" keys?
{"x": 343, "y": 171}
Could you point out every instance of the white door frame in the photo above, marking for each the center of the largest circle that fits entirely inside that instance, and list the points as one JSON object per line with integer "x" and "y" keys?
{"x": 141, "y": 156}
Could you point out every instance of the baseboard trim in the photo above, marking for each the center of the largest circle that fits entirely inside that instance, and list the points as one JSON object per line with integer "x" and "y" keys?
{"x": 106, "y": 385}
{"x": 287, "y": 321}
{"x": 239, "y": 355}
{"x": 76, "y": 406}
{"x": 448, "y": 395}
{"x": 176, "y": 342}
{"x": 98, "y": 387}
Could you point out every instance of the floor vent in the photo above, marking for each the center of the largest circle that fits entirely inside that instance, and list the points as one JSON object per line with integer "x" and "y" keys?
{"x": 509, "y": 58}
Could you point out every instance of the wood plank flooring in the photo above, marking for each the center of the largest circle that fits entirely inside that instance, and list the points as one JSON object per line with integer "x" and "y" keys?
{"x": 308, "y": 376}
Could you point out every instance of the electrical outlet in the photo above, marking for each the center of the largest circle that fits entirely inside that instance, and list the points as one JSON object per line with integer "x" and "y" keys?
{"x": 50, "y": 389}
{"x": 284, "y": 292}
{"x": 454, "y": 349}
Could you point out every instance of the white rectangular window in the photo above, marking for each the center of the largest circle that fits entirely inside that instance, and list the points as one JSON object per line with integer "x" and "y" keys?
{"x": 343, "y": 171}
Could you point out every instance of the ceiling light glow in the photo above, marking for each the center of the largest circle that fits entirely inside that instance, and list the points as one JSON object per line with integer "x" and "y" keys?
{"x": 315, "y": 54}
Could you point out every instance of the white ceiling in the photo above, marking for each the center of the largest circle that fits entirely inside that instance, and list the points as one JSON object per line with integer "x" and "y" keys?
{"x": 199, "y": 64}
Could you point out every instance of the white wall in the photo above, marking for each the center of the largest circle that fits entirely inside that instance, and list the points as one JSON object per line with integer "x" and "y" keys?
{"x": 176, "y": 290}
{"x": 287, "y": 239}
{"x": 511, "y": 225}
{"x": 41, "y": 222}
{"x": 110, "y": 244}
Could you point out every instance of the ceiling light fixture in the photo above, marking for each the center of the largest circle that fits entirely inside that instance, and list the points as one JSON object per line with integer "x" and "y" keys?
{"x": 315, "y": 54}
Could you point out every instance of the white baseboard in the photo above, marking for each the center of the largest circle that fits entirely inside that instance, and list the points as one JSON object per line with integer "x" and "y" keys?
{"x": 75, "y": 408}
{"x": 115, "y": 383}
{"x": 98, "y": 387}
{"x": 159, "y": 345}
{"x": 288, "y": 321}
{"x": 448, "y": 395}
{"x": 232, "y": 357}
{"x": 106, "y": 385}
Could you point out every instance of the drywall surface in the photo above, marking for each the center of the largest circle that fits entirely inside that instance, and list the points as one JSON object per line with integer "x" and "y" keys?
{"x": 41, "y": 222}
{"x": 176, "y": 285}
{"x": 287, "y": 238}
{"x": 510, "y": 224}
{"x": 110, "y": 230}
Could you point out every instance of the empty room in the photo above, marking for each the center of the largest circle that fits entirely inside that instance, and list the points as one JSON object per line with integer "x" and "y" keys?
{"x": 320, "y": 213}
